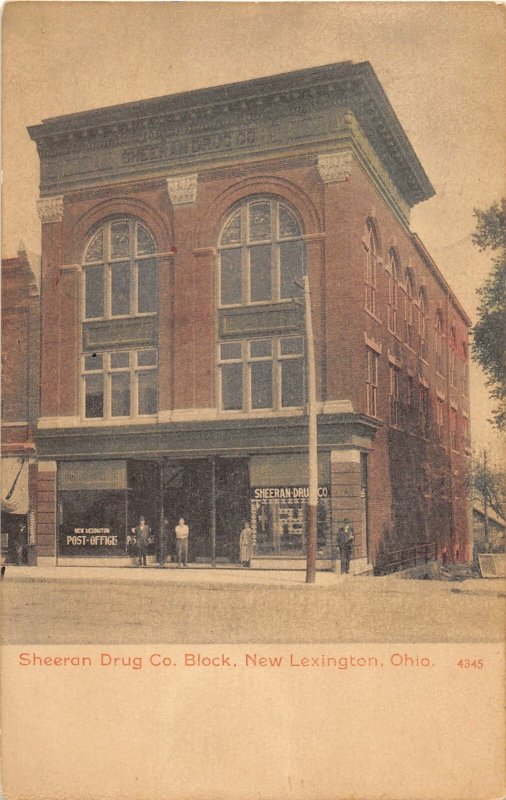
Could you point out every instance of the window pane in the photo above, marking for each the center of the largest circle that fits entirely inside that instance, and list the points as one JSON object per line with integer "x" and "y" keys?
{"x": 94, "y": 396}
{"x": 261, "y": 384}
{"x": 146, "y": 358}
{"x": 148, "y": 392}
{"x": 120, "y": 239}
{"x": 291, "y": 268}
{"x": 94, "y": 292}
{"x": 120, "y": 360}
{"x": 95, "y": 251}
{"x": 93, "y": 362}
{"x": 288, "y": 225}
{"x": 145, "y": 243}
{"x": 260, "y": 273}
{"x": 147, "y": 286}
{"x": 120, "y": 288}
{"x": 259, "y": 221}
{"x": 231, "y": 277}
{"x": 232, "y": 233}
{"x": 292, "y": 345}
{"x": 261, "y": 347}
{"x": 120, "y": 394}
{"x": 231, "y": 387}
{"x": 292, "y": 383}
{"x": 230, "y": 350}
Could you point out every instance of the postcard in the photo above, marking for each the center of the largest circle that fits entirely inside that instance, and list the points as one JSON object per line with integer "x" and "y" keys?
{"x": 253, "y": 488}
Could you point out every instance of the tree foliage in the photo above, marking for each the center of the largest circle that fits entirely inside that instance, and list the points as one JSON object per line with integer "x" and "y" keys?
{"x": 490, "y": 331}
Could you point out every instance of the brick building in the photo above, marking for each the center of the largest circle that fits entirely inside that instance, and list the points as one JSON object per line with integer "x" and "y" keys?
{"x": 175, "y": 235}
{"x": 20, "y": 404}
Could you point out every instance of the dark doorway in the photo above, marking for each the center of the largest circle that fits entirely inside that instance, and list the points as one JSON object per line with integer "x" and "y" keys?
{"x": 232, "y": 505}
{"x": 143, "y": 498}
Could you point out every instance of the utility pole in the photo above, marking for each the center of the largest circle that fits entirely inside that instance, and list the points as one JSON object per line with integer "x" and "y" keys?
{"x": 313, "y": 440}
{"x": 161, "y": 542}
{"x": 213, "y": 511}
{"x": 485, "y": 496}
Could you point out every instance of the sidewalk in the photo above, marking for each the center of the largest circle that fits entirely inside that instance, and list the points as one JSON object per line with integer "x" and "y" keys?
{"x": 208, "y": 577}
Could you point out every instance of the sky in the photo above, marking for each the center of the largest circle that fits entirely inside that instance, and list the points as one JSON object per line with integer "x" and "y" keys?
{"x": 442, "y": 66}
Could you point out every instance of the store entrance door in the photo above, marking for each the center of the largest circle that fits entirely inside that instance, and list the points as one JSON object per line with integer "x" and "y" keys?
{"x": 232, "y": 505}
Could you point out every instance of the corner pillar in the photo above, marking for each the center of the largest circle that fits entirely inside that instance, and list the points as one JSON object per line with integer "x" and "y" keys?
{"x": 347, "y": 502}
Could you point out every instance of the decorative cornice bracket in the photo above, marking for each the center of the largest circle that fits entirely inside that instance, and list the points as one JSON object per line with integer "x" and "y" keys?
{"x": 50, "y": 209}
{"x": 335, "y": 167}
{"x": 182, "y": 189}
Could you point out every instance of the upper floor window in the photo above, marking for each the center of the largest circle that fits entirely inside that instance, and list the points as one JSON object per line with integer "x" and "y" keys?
{"x": 439, "y": 344}
{"x": 120, "y": 383}
{"x": 408, "y": 310}
{"x": 424, "y": 409}
{"x": 258, "y": 374}
{"x": 393, "y": 291}
{"x": 120, "y": 271}
{"x": 394, "y": 395}
{"x": 422, "y": 324}
{"x": 453, "y": 357}
{"x": 370, "y": 272}
{"x": 261, "y": 254}
{"x": 439, "y": 418}
{"x": 455, "y": 429}
{"x": 372, "y": 382}
{"x": 465, "y": 369}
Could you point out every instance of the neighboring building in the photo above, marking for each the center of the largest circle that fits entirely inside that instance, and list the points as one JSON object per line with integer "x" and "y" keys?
{"x": 20, "y": 404}
{"x": 490, "y": 538}
{"x": 175, "y": 235}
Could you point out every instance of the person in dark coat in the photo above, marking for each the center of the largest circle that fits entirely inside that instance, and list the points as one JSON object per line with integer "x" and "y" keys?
{"x": 142, "y": 534}
{"x": 345, "y": 543}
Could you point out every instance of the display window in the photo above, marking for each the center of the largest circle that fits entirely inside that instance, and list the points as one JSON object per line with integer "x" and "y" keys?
{"x": 279, "y": 521}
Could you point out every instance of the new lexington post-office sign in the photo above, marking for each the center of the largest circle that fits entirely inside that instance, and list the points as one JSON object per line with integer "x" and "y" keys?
{"x": 92, "y": 508}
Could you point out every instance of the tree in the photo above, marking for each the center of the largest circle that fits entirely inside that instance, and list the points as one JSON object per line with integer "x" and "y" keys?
{"x": 490, "y": 330}
{"x": 489, "y": 487}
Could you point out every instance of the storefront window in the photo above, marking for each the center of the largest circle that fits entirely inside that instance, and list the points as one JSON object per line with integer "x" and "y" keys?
{"x": 279, "y": 520}
{"x": 261, "y": 254}
{"x": 262, "y": 374}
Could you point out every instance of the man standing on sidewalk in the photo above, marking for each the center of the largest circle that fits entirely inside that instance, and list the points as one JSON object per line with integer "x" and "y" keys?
{"x": 182, "y": 534}
{"x": 142, "y": 534}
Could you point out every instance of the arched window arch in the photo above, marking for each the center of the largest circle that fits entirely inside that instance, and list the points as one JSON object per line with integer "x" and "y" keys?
{"x": 393, "y": 290}
{"x": 120, "y": 275}
{"x": 422, "y": 323}
{"x": 408, "y": 309}
{"x": 452, "y": 355}
{"x": 439, "y": 343}
{"x": 370, "y": 268}
{"x": 261, "y": 249}
{"x": 119, "y": 361}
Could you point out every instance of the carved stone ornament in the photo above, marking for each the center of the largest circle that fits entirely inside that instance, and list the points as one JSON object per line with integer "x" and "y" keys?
{"x": 182, "y": 189}
{"x": 50, "y": 209}
{"x": 335, "y": 166}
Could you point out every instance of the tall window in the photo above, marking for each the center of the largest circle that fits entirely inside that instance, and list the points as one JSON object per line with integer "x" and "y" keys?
{"x": 262, "y": 373}
{"x": 439, "y": 344}
{"x": 120, "y": 274}
{"x": 408, "y": 311}
{"x": 261, "y": 254}
{"x": 453, "y": 359}
{"x": 465, "y": 432}
{"x": 372, "y": 382}
{"x": 122, "y": 383}
{"x": 439, "y": 418}
{"x": 120, "y": 281}
{"x": 393, "y": 291}
{"x": 465, "y": 369}
{"x": 455, "y": 429}
{"x": 370, "y": 275}
{"x": 424, "y": 410}
{"x": 422, "y": 324}
{"x": 394, "y": 395}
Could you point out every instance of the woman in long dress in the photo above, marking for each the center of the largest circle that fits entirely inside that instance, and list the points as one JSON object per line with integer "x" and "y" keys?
{"x": 245, "y": 545}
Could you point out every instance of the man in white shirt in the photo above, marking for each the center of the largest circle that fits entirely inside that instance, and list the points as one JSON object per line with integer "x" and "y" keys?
{"x": 182, "y": 534}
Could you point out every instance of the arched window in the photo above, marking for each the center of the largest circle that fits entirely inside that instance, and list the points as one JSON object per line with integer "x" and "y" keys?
{"x": 261, "y": 254}
{"x": 465, "y": 369}
{"x": 119, "y": 360}
{"x": 393, "y": 287}
{"x": 370, "y": 269}
{"x": 422, "y": 324}
{"x": 408, "y": 310}
{"x": 439, "y": 344}
{"x": 120, "y": 276}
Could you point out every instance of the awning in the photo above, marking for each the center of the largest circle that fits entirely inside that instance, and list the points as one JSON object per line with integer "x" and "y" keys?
{"x": 14, "y": 485}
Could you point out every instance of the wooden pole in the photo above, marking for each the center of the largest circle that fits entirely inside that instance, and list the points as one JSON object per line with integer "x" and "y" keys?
{"x": 313, "y": 440}
{"x": 161, "y": 535}
{"x": 485, "y": 497}
{"x": 213, "y": 511}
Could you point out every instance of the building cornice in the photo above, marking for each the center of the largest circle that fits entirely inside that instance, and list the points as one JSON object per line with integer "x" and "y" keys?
{"x": 245, "y": 117}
